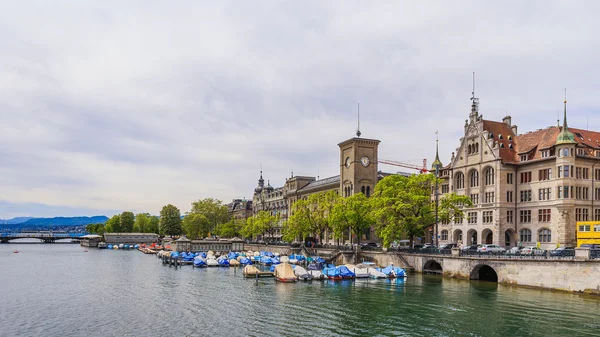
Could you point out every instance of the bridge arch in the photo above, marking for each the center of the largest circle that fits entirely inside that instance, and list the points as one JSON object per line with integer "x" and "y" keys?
{"x": 432, "y": 267}
{"x": 484, "y": 272}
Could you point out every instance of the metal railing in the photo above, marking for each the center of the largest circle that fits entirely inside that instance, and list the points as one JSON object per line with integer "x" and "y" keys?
{"x": 595, "y": 254}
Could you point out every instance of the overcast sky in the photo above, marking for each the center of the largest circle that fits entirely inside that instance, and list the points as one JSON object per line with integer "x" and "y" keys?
{"x": 131, "y": 105}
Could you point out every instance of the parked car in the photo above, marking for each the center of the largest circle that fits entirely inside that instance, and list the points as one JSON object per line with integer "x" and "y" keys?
{"x": 471, "y": 248}
{"x": 449, "y": 246}
{"x": 428, "y": 246}
{"x": 490, "y": 249}
{"x": 514, "y": 251}
{"x": 532, "y": 250}
{"x": 417, "y": 246}
{"x": 563, "y": 251}
{"x": 369, "y": 245}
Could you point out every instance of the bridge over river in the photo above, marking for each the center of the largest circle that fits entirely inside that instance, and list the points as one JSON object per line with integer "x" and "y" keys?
{"x": 45, "y": 237}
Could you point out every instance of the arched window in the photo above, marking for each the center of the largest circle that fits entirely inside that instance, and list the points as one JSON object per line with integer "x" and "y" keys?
{"x": 474, "y": 178}
{"x": 489, "y": 176}
{"x": 525, "y": 235}
{"x": 444, "y": 235}
{"x": 368, "y": 191}
{"x": 363, "y": 191}
{"x": 545, "y": 235}
{"x": 469, "y": 149}
{"x": 460, "y": 181}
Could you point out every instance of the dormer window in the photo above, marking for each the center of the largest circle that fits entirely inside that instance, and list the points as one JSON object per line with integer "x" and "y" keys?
{"x": 510, "y": 138}
{"x": 545, "y": 153}
{"x": 581, "y": 152}
{"x": 510, "y": 146}
{"x": 491, "y": 135}
{"x": 500, "y": 136}
{"x": 524, "y": 157}
{"x": 501, "y": 145}
{"x": 597, "y": 154}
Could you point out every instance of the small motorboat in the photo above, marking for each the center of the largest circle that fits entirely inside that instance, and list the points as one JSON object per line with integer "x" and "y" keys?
{"x": 212, "y": 262}
{"x": 345, "y": 273}
{"x": 199, "y": 262}
{"x": 361, "y": 270}
{"x": 85, "y": 250}
{"x": 251, "y": 272}
{"x": 302, "y": 274}
{"x": 374, "y": 273}
{"x": 15, "y": 251}
{"x": 234, "y": 263}
{"x": 284, "y": 273}
{"x": 332, "y": 273}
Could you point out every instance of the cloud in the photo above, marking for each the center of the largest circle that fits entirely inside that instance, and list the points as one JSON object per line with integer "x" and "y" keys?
{"x": 130, "y": 106}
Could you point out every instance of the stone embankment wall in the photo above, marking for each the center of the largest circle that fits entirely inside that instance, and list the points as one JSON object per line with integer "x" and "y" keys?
{"x": 268, "y": 248}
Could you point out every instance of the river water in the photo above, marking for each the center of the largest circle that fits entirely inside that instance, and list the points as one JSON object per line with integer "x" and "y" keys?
{"x": 60, "y": 290}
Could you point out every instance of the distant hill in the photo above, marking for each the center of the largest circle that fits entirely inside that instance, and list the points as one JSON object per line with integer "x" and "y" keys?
{"x": 14, "y": 221}
{"x": 64, "y": 221}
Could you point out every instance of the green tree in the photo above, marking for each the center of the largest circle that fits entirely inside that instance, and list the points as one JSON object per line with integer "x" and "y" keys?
{"x": 170, "y": 220}
{"x": 195, "y": 226}
{"x": 261, "y": 223}
{"x": 113, "y": 225}
{"x": 213, "y": 210}
{"x": 230, "y": 229}
{"x": 352, "y": 213}
{"x": 403, "y": 209}
{"x": 153, "y": 225}
{"x": 247, "y": 230}
{"x": 141, "y": 223}
{"x": 312, "y": 216}
{"x": 97, "y": 228}
{"x": 127, "y": 220}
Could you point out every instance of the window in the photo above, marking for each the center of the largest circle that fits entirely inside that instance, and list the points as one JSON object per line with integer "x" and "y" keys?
{"x": 460, "y": 181}
{"x": 526, "y": 196}
{"x": 597, "y": 215}
{"x": 369, "y": 191}
{"x": 596, "y": 228}
{"x": 581, "y": 214}
{"x": 545, "y": 153}
{"x": 509, "y": 196}
{"x": 525, "y": 216}
{"x": 565, "y": 152}
{"x": 545, "y": 235}
{"x": 445, "y": 188}
{"x": 566, "y": 192}
{"x": 566, "y": 171}
{"x": 525, "y": 177}
{"x": 582, "y": 193}
{"x": 444, "y": 235}
{"x": 458, "y": 219}
{"x": 580, "y": 152}
{"x": 475, "y": 198}
{"x": 578, "y": 172}
{"x": 488, "y": 216}
{"x": 545, "y": 174}
{"x": 509, "y": 216}
{"x": 525, "y": 235}
{"x": 544, "y": 215}
{"x": 597, "y": 194}
{"x": 597, "y": 172}
{"x": 524, "y": 157}
{"x": 489, "y": 197}
{"x": 489, "y": 176}
{"x": 509, "y": 178}
{"x": 472, "y": 218}
{"x": 584, "y": 228}
{"x": 585, "y": 173}
{"x": 560, "y": 172}
{"x": 474, "y": 178}
{"x": 544, "y": 194}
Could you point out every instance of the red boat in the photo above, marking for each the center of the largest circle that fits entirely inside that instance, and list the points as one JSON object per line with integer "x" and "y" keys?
{"x": 284, "y": 273}
{"x": 15, "y": 251}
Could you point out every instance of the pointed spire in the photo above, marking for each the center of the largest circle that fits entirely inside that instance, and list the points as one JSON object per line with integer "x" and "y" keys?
{"x": 565, "y": 136}
{"x": 437, "y": 163}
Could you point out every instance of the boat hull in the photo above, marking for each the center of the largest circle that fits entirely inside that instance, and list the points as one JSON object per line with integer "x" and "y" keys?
{"x": 285, "y": 280}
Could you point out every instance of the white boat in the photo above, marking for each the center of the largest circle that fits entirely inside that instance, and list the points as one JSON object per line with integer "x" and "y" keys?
{"x": 294, "y": 261}
{"x": 212, "y": 262}
{"x": 362, "y": 271}
{"x": 316, "y": 274}
{"x": 374, "y": 273}
{"x": 302, "y": 274}
{"x": 284, "y": 259}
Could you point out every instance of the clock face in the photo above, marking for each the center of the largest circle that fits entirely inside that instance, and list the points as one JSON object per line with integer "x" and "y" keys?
{"x": 365, "y": 161}
{"x": 347, "y": 163}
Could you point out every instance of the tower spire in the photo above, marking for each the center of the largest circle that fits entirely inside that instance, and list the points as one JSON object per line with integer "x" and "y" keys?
{"x": 475, "y": 105}
{"x": 358, "y": 125}
{"x": 437, "y": 163}
{"x": 565, "y": 136}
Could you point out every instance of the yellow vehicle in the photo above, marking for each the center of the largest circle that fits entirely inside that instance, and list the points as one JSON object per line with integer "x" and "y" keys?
{"x": 588, "y": 233}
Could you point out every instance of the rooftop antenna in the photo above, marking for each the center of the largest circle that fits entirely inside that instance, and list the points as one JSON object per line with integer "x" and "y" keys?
{"x": 558, "y": 118}
{"x": 358, "y": 126}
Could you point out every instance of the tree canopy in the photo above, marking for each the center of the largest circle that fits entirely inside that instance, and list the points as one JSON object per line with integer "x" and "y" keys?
{"x": 213, "y": 209}
{"x": 230, "y": 229}
{"x": 352, "y": 213}
{"x": 170, "y": 220}
{"x": 261, "y": 223}
{"x": 196, "y": 226}
{"x": 127, "y": 220}
{"x": 97, "y": 228}
{"x": 113, "y": 225}
{"x": 311, "y": 216}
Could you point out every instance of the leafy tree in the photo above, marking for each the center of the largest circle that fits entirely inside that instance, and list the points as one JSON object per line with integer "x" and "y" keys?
{"x": 261, "y": 223}
{"x": 247, "y": 230}
{"x": 142, "y": 221}
{"x": 230, "y": 229}
{"x": 403, "y": 208}
{"x": 352, "y": 213}
{"x": 127, "y": 220}
{"x": 153, "y": 225}
{"x": 170, "y": 220}
{"x": 97, "y": 228}
{"x": 311, "y": 216}
{"x": 195, "y": 226}
{"x": 213, "y": 210}
{"x": 113, "y": 225}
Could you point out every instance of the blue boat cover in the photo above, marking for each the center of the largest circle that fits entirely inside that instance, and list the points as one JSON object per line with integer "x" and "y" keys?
{"x": 344, "y": 271}
{"x": 266, "y": 260}
{"x": 203, "y": 254}
{"x": 330, "y": 265}
{"x": 109, "y": 246}
{"x": 272, "y": 269}
{"x": 198, "y": 261}
{"x": 320, "y": 260}
{"x": 331, "y": 272}
{"x": 223, "y": 262}
{"x": 314, "y": 266}
{"x": 245, "y": 260}
{"x": 232, "y": 255}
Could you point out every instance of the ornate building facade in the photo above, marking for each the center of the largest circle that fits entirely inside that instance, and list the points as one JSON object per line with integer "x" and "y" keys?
{"x": 527, "y": 189}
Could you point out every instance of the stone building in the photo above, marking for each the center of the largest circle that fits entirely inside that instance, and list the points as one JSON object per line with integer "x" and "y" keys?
{"x": 526, "y": 188}
{"x": 240, "y": 209}
{"x": 358, "y": 173}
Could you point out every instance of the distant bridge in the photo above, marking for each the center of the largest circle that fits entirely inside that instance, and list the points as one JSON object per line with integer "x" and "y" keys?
{"x": 45, "y": 237}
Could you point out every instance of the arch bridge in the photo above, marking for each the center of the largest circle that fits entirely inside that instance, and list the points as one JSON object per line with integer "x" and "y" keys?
{"x": 45, "y": 237}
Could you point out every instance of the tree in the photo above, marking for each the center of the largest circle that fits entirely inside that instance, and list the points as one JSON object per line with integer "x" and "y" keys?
{"x": 230, "y": 229}
{"x": 127, "y": 220}
{"x": 153, "y": 225}
{"x": 352, "y": 213}
{"x": 142, "y": 221}
{"x": 170, "y": 220}
{"x": 261, "y": 223}
{"x": 402, "y": 206}
{"x": 97, "y": 228}
{"x": 195, "y": 226}
{"x": 113, "y": 225}
{"x": 311, "y": 216}
{"x": 213, "y": 210}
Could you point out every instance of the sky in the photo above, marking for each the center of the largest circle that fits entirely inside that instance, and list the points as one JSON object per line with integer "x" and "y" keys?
{"x": 110, "y": 106}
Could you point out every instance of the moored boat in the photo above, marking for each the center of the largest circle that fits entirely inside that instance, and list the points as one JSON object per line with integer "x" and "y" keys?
{"x": 332, "y": 273}
{"x": 199, "y": 262}
{"x": 251, "y": 272}
{"x": 212, "y": 262}
{"x": 284, "y": 273}
{"x": 345, "y": 273}
{"x": 302, "y": 274}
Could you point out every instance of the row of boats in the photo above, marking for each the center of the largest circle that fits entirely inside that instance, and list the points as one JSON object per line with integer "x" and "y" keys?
{"x": 286, "y": 268}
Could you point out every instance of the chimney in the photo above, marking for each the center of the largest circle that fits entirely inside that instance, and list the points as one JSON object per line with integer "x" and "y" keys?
{"x": 506, "y": 120}
{"x": 514, "y": 129}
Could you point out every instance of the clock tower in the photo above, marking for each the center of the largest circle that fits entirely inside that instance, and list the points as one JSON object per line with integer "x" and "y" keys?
{"x": 358, "y": 166}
